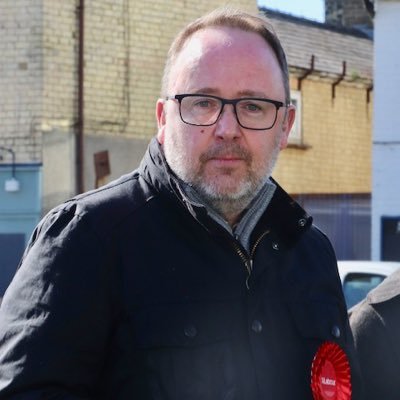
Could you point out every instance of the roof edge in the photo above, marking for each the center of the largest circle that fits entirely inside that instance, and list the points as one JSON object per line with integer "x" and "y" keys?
{"x": 356, "y": 31}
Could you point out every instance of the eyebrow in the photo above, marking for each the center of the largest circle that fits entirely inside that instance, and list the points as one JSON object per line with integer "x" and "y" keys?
{"x": 242, "y": 93}
{"x": 206, "y": 90}
{"x": 252, "y": 93}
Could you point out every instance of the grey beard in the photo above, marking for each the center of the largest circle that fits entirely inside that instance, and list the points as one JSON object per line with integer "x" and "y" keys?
{"x": 229, "y": 205}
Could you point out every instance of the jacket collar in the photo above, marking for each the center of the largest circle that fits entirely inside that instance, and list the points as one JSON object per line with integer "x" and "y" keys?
{"x": 285, "y": 217}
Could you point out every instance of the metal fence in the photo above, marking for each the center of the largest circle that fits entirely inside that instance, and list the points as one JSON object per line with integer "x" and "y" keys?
{"x": 345, "y": 219}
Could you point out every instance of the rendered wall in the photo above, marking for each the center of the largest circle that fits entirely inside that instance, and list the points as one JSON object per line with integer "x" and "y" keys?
{"x": 20, "y": 211}
{"x": 386, "y": 127}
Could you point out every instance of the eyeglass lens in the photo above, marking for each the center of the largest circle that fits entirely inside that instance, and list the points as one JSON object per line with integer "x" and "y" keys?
{"x": 251, "y": 113}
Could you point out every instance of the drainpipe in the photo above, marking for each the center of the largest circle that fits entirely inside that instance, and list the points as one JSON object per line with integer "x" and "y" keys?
{"x": 79, "y": 155}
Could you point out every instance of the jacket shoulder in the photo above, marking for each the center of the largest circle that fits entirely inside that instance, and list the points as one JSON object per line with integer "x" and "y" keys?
{"x": 388, "y": 290}
{"x": 105, "y": 208}
{"x": 380, "y": 309}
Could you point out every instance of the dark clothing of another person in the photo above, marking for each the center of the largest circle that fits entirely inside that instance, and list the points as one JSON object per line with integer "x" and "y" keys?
{"x": 376, "y": 327}
{"x": 132, "y": 292}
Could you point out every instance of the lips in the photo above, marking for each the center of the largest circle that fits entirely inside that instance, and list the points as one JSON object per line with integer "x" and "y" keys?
{"x": 227, "y": 162}
{"x": 227, "y": 158}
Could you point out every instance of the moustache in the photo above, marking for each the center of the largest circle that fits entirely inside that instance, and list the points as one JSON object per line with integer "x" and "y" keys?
{"x": 226, "y": 150}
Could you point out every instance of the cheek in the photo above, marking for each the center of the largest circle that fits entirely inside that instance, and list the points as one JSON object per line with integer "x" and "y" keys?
{"x": 195, "y": 138}
{"x": 258, "y": 146}
{"x": 184, "y": 140}
{"x": 263, "y": 149}
{"x": 190, "y": 141}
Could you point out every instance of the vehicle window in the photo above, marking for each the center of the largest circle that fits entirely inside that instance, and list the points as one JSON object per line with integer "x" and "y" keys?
{"x": 357, "y": 285}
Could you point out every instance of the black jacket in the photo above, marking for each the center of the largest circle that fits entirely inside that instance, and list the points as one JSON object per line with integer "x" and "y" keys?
{"x": 376, "y": 326}
{"x": 128, "y": 293}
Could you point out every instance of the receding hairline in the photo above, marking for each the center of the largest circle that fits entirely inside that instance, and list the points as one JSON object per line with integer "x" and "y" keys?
{"x": 223, "y": 17}
{"x": 230, "y": 18}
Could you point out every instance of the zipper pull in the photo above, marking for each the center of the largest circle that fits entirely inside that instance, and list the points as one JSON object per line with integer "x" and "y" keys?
{"x": 249, "y": 267}
{"x": 247, "y": 282}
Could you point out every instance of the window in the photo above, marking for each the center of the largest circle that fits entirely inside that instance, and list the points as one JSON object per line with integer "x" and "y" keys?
{"x": 356, "y": 286}
{"x": 295, "y": 136}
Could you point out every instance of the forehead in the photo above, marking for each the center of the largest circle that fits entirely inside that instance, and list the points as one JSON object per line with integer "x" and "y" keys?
{"x": 224, "y": 37}
{"x": 220, "y": 56}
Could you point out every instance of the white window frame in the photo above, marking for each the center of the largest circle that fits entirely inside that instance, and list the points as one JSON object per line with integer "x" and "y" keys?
{"x": 296, "y": 135}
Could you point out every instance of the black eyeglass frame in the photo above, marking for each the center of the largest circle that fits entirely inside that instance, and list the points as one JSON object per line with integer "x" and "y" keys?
{"x": 276, "y": 103}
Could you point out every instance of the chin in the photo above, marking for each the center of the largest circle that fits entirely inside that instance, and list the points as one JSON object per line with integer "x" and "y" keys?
{"x": 231, "y": 190}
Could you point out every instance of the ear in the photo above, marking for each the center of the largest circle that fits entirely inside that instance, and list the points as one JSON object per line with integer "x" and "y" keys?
{"x": 160, "y": 115}
{"x": 287, "y": 125}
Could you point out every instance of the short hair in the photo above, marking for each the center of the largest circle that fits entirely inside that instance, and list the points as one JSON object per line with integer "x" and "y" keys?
{"x": 231, "y": 18}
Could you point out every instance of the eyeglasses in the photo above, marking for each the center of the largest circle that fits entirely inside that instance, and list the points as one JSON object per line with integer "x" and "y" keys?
{"x": 204, "y": 110}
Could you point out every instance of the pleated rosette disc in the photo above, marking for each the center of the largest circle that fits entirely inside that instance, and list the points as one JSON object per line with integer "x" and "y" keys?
{"x": 330, "y": 373}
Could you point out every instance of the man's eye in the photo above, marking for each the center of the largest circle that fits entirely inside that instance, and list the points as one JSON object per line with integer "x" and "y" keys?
{"x": 252, "y": 107}
{"x": 203, "y": 103}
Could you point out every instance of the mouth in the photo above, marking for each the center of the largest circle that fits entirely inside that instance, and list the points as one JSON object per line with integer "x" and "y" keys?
{"x": 226, "y": 161}
{"x": 226, "y": 157}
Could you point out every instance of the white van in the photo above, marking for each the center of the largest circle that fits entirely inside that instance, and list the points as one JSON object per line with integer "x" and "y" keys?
{"x": 359, "y": 277}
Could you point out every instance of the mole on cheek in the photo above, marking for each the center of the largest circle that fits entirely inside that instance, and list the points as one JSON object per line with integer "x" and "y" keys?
{"x": 202, "y": 131}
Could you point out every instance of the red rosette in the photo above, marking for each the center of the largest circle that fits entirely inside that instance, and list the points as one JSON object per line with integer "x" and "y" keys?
{"x": 330, "y": 373}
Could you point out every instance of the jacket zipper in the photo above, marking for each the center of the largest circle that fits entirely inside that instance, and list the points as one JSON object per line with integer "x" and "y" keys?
{"x": 248, "y": 261}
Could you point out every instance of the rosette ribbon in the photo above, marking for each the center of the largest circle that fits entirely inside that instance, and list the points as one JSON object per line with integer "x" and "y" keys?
{"x": 330, "y": 373}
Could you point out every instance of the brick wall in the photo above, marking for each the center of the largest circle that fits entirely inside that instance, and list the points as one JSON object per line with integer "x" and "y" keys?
{"x": 347, "y": 13}
{"x": 21, "y": 73}
{"x": 59, "y": 46}
{"x": 125, "y": 46}
{"x": 334, "y": 11}
{"x": 126, "y": 42}
{"x": 355, "y": 13}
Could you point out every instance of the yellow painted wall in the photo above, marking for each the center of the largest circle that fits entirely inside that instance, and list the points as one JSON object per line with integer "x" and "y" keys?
{"x": 338, "y": 133}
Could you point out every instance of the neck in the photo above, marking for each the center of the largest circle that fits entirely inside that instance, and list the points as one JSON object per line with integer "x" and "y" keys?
{"x": 231, "y": 211}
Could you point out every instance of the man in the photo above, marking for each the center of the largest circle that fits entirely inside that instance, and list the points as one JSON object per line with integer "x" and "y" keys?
{"x": 196, "y": 276}
{"x": 375, "y": 323}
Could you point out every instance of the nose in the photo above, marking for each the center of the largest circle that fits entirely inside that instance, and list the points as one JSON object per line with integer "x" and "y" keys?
{"x": 227, "y": 126}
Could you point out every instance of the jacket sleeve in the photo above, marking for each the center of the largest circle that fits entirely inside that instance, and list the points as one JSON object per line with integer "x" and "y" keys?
{"x": 377, "y": 350}
{"x": 56, "y": 315}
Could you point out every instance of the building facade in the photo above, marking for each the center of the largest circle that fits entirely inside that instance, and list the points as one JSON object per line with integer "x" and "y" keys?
{"x": 79, "y": 80}
{"x": 328, "y": 164}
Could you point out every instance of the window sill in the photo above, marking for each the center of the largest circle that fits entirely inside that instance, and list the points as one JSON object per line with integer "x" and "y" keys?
{"x": 299, "y": 146}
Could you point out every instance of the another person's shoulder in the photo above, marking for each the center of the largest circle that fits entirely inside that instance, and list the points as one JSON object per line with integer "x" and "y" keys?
{"x": 387, "y": 291}
{"x": 380, "y": 308}
{"x": 375, "y": 325}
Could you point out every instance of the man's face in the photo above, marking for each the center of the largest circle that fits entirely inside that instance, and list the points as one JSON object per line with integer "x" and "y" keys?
{"x": 224, "y": 161}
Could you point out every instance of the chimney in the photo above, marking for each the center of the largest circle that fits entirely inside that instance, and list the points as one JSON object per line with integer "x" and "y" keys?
{"x": 347, "y": 13}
